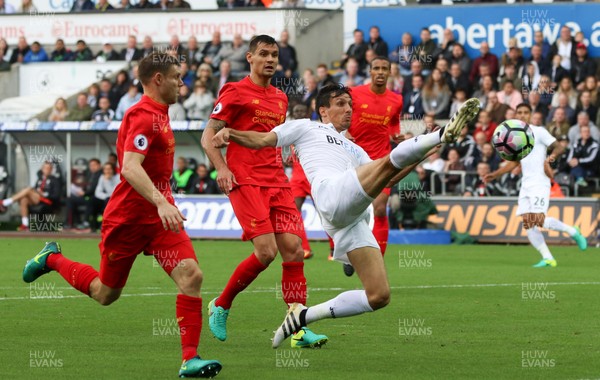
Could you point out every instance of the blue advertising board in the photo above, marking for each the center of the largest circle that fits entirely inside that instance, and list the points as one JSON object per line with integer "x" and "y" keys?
{"x": 496, "y": 24}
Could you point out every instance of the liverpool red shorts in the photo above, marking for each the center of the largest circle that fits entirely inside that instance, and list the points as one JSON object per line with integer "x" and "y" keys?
{"x": 121, "y": 243}
{"x": 264, "y": 210}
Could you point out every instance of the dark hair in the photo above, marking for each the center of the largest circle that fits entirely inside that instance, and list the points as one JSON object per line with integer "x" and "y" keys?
{"x": 326, "y": 93}
{"x": 425, "y": 29}
{"x": 357, "y": 30}
{"x": 112, "y": 166}
{"x": 156, "y": 62}
{"x": 80, "y": 42}
{"x": 382, "y": 58}
{"x": 374, "y": 27}
{"x": 94, "y": 160}
{"x": 265, "y": 39}
{"x": 523, "y": 105}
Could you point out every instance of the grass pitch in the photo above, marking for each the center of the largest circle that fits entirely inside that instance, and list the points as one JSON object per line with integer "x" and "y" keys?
{"x": 468, "y": 312}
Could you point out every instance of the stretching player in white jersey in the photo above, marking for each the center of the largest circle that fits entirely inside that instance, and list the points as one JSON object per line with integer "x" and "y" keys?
{"x": 344, "y": 182}
{"x": 534, "y": 195}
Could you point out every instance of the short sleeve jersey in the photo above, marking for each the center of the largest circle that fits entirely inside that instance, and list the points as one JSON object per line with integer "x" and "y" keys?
{"x": 145, "y": 129}
{"x": 246, "y": 106}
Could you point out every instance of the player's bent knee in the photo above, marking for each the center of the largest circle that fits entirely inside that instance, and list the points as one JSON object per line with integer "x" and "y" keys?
{"x": 266, "y": 253}
{"x": 379, "y": 299}
{"x": 107, "y": 299}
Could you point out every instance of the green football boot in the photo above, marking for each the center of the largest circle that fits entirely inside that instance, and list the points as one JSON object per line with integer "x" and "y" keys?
{"x": 37, "y": 266}
{"x": 546, "y": 263}
{"x": 307, "y": 339}
{"x": 217, "y": 320}
{"x": 580, "y": 239}
{"x": 196, "y": 367}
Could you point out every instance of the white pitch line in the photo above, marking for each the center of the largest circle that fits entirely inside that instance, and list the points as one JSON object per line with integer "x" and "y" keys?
{"x": 268, "y": 290}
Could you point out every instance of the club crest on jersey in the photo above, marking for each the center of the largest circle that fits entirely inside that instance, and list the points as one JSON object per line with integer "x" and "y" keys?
{"x": 255, "y": 101}
{"x": 217, "y": 108}
{"x": 364, "y": 106}
{"x": 141, "y": 142}
{"x": 389, "y": 109}
{"x": 280, "y": 105}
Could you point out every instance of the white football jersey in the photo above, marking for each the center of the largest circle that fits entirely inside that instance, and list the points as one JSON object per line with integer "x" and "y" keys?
{"x": 533, "y": 165}
{"x": 323, "y": 151}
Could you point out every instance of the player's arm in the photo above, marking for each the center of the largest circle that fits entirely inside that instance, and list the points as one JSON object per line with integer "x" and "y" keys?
{"x": 136, "y": 176}
{"x": 507, "y": 168}
{"x": 225, "y": 178}
{"x": 556, "y": 150}
{"x": 248, "y": 139}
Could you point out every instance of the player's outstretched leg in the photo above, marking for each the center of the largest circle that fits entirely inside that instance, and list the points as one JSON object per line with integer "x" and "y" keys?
{"x": 536, "y": 238}
{"x": 574, "y": 232}
{"x": 465, "y": 113}
{"x": 37, "y": 267}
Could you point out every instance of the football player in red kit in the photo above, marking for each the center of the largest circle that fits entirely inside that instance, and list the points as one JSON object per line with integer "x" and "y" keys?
{"x": 375, "y": 124}
{"x": 141, "y": 216}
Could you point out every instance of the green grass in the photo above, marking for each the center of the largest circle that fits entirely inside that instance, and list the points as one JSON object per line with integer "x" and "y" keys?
{"x": 476, "y": 323}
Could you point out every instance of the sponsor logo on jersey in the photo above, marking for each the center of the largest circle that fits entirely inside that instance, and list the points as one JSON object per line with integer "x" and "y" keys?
{"x": 141, "y": 142}
{"x": 255, "y": 101}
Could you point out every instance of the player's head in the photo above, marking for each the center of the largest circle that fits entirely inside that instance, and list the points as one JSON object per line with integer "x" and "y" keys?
{"x": 334, "y": 105}
{"x": 160, "y": 74}
{"x": 263, "y": 55}
{"x": 380, "y": 71}
{"x": 524, "y": 112}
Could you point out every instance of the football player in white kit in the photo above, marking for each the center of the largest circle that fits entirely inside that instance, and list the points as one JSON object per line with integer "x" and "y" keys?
{"x": 534, "y": 196}
{"x": 344, "y": 182}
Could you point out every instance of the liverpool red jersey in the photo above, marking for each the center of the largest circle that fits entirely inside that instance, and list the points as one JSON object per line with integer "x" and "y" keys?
{"x": 246, "y": 106}
{"x": 145, "y": 129}
{"x": 375, "y": 117}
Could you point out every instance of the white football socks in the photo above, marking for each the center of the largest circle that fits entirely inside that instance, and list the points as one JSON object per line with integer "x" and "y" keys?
{"x": 412, "y": 150}
{"x": 7, "y": 202}
{"x": 537, "y": 240}
{"x": 25, "y": 221}
{"x": 556, "y": 225}
{"x": 346, "y": 304}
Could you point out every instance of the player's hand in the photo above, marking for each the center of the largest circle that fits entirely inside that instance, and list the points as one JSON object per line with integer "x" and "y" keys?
{"x": 398, "y": 138}
{"x": 170, "y": 216}
{"x": 221, "y": 139}
{"x": 225, "y": 180}
{"x": 548, "y": 170}
{"x": 488, "y": 178}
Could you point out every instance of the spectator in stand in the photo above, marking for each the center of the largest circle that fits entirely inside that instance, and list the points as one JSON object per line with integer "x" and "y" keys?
{"x": 82, "y": 52}
{"x": 60, "y": 52}
{"x": 509, "y": 184}
{"x": 35, "y": 54}
{"x": 254, "y": 4}
{"x": 163, "y": 5}
{"x": 175, "y": 47}
{"x": 403, "y": 54}
{"x": 583, "y": 120}
{"x": 118, "y": 89}
{"x": 129, "y": 99}
{"x": 566, "y": 87}
{"x": 323, "y": 76}
{"x": 478, "y": 187}
{"x": 236, "y": 55}
{"x": 395, "y": 80}
{"x": 21, "y": 50}
{"x": 5, "y": 49}
{"x": 510, "y": 114}
{"x": 444, "y": 49}
{"x": 416, "y": 69}
{"x": 488, "y": 155}
{"x": 287, "y": 53}
{"x": 558, "y": 124}
{"x": 131, "y": 52}
{"x": 181, "y": 4}
{"x": 93, "y": 95}
{"x": 582, "y": 157}
{"x": 546, "y": 91}
{"x": 465, "y": 145}
{"x": 351, "y": 77}
{"x": 82, "y": 6}
{"x": 453, "y": 181}
{"x": 514, "y": 57}
{"x": 105, "y": 87}
{"x": 135, "y": 78}
{"x": 202, "y": 183}
{"x": 59, "y": 111}
{"x": 107, "y": 53}
{"x": 563, "y": 102}
{"x": 510, "y": 74}
{"x": 192, "y": 54}
{"x": 225, "y": 75}
{"x": 187, "y": 75}
{"x": 435, "y": 163}
{"x": 126, "y": 5}
{"x": 556, "y": 72}
{"x": 585, "y": 105}
{"x": 144, "y": 4}
{"x": 4, "y": 65}
{"x": 459, "y": 56}
{"x": 537, "y": 119}
{"x": 591, "y": 84}
{"x": 457, "y": 80}
{"x": 533, "y": 99}
{"x": 6, "y": 8}
{"x": 509, "y": 95}
{"x": 147, "y": 44}
{"x": 82, "y": 111}
{"x": 45, "y": 192}
{"x": 484, "y": 71}
{"x": 531, "y": 77}
{"x": 310, "y": 91}
{"x": 211, "y": 50}
{"x": 424, "y": 51}
{"x": 442, "y": 65}
{"x": 183, "y": 177}
{"x": 357, "y": 50}
{"x": 103, "y": 6}
{"x": 487, "y": 86}
{"x": 486, "y": 57}
{"x": 436, "y": 95}
{"x": 82, "y": 193}
{"x": 113, "y": 159}
{"x": 204, "y": 74}
{"x": 486, "y": 125}
{"x": 184, "y": 93}
{"x": 496, "y": 109}
{"x": 460, "y": 96}
{"x": 104, "y": 190}
{"x": 582, "y": 65}
{"x": 542, "y": 63}
{"x": 564, "y": 47}
{"x": 377, "y": 43}
{"x": 538, "y": 40}
{"x": 562, "y": 162}
{"x": 104, "y": 112}
{"x": 200, "y": 103}
{"x": 412, "y": 106}
{"x": 176, "y": 110}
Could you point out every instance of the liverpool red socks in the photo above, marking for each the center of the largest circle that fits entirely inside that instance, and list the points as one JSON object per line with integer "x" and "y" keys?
{"x": 78, "y": 275}
{"x": 381, "y": 231}
{"x": 293, "y": 283}
{"x": 189, "y": 317}
{"x": 243, "y": 276}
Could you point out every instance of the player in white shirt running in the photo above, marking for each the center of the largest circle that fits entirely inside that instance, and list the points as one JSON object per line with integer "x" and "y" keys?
{"x": 534, "y": 196}
{"x": 344, "y": 182}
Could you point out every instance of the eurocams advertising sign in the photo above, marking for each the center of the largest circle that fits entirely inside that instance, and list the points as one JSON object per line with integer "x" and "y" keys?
{"x": 495, "y": 24}
{"x": 494, "y": 219}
